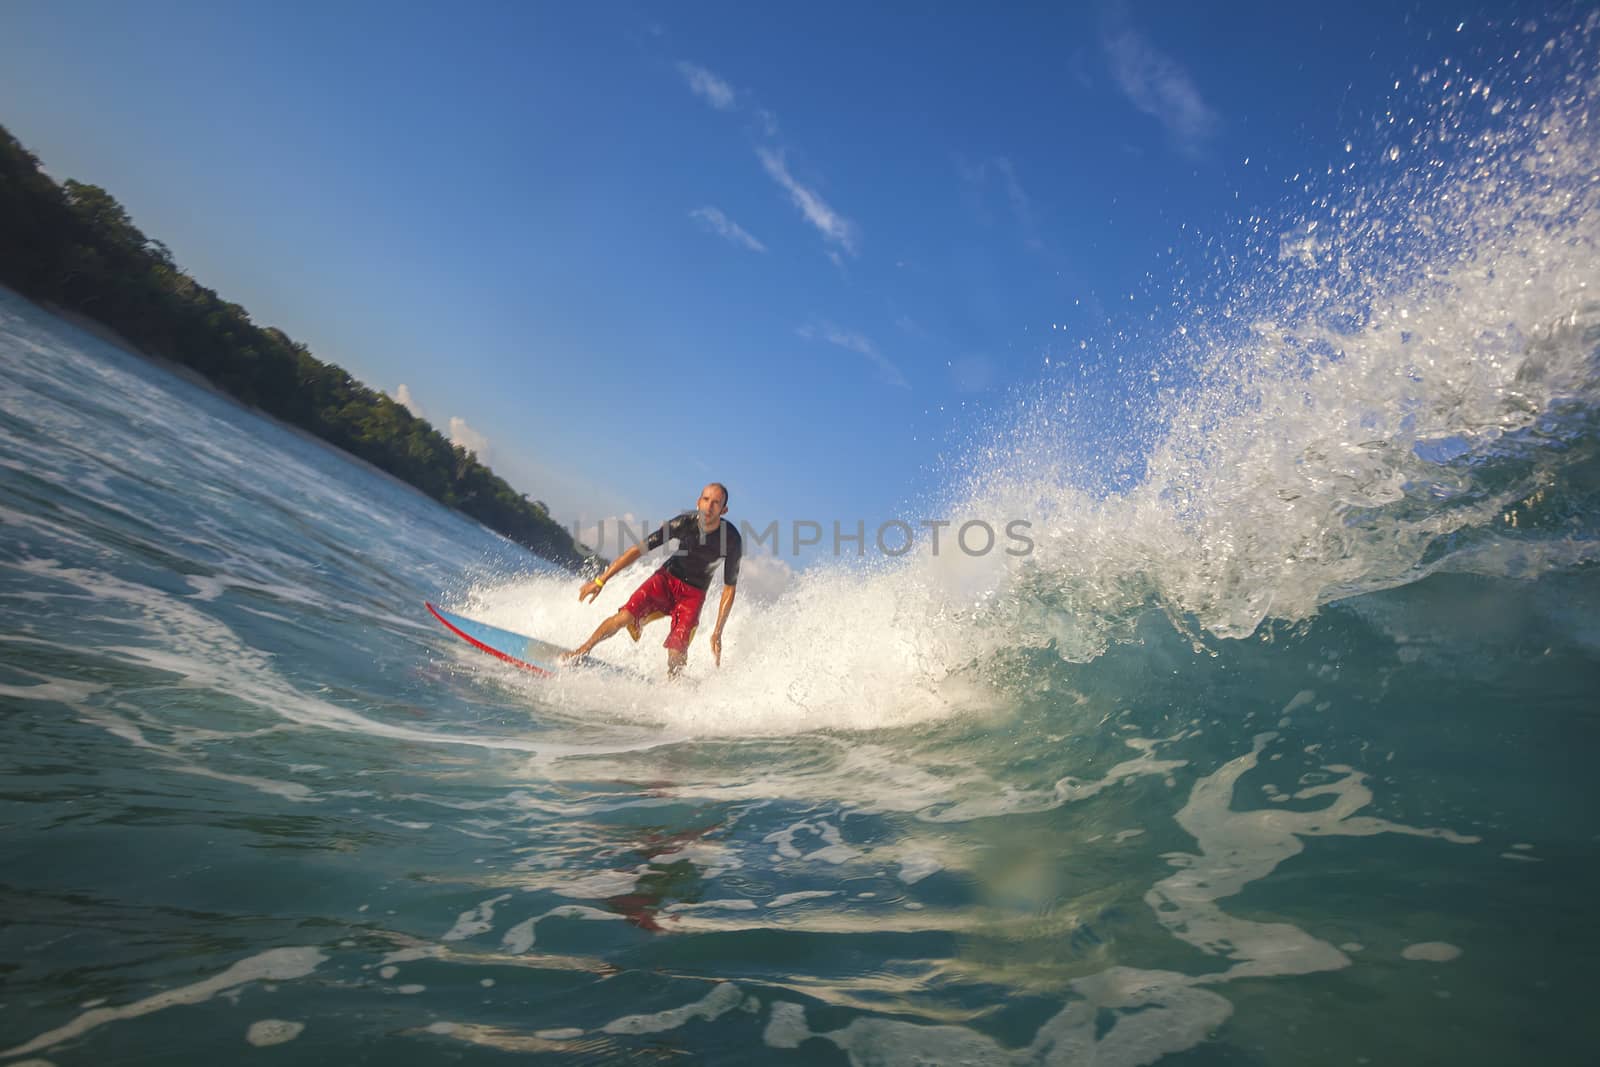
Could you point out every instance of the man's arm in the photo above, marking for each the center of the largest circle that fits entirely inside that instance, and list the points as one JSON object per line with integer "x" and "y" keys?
{"x": 591, "y": 589}
{"x": 728, "y": 592}
{"x": 730, "y": 583}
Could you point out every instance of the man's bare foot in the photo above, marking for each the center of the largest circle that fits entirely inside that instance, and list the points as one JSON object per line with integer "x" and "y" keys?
{"x": 575, "y": 654}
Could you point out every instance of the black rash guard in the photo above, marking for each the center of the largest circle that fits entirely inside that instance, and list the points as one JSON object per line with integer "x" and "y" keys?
{"x": 699, "y": 551}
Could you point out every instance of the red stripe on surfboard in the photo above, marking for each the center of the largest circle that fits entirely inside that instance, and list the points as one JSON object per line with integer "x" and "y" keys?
{"x": 475, "y": 643}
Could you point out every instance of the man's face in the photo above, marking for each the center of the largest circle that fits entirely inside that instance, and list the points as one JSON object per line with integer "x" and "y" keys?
{"x": 711, "y": 505}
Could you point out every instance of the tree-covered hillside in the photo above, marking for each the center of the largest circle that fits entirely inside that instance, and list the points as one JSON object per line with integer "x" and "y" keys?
{"x": 73, "y": 245}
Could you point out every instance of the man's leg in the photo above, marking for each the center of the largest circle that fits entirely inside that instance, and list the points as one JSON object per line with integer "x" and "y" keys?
{"x": 685, "y": 619}
{"x": 675, "y": 661}
{"x": 621, "y": 620}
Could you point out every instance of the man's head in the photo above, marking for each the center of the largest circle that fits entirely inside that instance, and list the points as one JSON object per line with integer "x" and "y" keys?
{"x": 713, "y": 503}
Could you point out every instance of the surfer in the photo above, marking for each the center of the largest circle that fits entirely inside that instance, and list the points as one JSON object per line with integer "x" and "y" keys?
{"x": 677, "y": 589}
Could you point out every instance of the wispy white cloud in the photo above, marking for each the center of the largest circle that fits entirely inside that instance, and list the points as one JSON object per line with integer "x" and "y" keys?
{"x": 614, "y": 534}
{"x": 721, "y": 95}
{"x": 1158, "y": 85}
{"x": 1021, "y": 203}
{"x": 403, "y": 397}
{"x": 718, "y": 223}
{"x": 977, "y": 175}
{"x": 469, "y": 439}
{"x": 833, "y": 226}
{"x": 710, "y": 88}
{"x": 983, "y": 176}
{"x": 859, "y": 344}
{"x": 570, "y": 496}
{"x": 907, "y": 324}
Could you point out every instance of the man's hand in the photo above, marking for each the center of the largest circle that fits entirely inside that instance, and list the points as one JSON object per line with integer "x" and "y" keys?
{"x": 716, "y": 646}
{"x": 589, "y": 591}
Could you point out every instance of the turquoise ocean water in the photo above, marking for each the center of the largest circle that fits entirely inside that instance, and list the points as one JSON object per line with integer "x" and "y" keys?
{"x": 1285, "y": 752}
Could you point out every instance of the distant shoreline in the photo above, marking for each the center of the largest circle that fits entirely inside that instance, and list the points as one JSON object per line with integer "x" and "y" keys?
{"x": 101, "y": 332}
{"x": 72, "y": 251}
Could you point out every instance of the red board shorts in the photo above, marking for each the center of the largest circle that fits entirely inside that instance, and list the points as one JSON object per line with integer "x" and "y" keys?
{"x": 663, "y": 595}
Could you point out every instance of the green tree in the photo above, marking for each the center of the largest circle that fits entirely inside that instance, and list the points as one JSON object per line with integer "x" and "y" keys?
{"x": 74, "y": 246}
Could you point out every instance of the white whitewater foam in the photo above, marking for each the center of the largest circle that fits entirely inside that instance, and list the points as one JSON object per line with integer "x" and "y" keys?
{"x": 277, "y": 965}
{"x": 1432, "y": 951}
{"x": 265, "y": 1032}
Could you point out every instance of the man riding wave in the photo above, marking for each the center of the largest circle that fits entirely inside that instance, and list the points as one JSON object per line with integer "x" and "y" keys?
{"x": 677, "y": 589}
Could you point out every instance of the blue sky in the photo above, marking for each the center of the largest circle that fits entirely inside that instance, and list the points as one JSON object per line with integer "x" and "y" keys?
{"x": 629, "y": 247}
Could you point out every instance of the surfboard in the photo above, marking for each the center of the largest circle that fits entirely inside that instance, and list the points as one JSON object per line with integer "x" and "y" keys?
{"x": 519, "y": 650}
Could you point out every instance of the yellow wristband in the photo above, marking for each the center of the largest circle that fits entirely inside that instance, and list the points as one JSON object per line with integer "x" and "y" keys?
{"x": 599, "y": 583}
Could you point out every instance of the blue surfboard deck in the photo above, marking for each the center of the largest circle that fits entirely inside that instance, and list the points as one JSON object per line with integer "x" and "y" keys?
{"x": 519, "y": 650}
